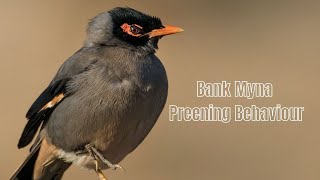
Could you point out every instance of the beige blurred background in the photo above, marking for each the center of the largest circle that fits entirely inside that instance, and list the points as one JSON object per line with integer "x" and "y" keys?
{"x": 261, "y": 41}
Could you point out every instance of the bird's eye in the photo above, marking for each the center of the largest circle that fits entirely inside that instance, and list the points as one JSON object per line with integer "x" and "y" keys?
{"x": 135, "y": 29}
{"x": 132, "y": 30}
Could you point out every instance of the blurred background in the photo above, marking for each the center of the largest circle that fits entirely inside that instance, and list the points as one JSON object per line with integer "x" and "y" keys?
{"x": 253, "y": 40}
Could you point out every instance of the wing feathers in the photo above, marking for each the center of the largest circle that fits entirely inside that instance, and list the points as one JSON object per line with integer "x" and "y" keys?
{"x": 44, "y": 105}
{"x": 48, "y": 94}
{"x": 53, "y": 102}
{"x": 41, "y": 109}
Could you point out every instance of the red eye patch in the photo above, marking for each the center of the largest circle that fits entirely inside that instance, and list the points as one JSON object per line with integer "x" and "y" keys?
{"x": 133, "y": 29}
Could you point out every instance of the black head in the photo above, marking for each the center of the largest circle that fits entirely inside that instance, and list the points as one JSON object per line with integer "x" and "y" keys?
{"x": 126, "y": 26}
{"x": 133, "y": 26}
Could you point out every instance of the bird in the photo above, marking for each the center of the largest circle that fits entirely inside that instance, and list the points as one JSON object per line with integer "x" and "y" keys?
{"x": 103, "y": 101}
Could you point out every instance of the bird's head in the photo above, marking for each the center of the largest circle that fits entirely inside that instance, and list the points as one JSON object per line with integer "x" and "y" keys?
{"x": 127, "y": 27}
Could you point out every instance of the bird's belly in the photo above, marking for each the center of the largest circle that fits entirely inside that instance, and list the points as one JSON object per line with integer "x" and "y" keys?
{"x": 133, "y": 128}
{"x": 114, "y": 115}
{"x": 115, "y": 129}
{"x": 115, "y": 142}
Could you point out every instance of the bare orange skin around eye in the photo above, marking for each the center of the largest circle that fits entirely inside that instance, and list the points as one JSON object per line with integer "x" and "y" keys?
{"x": 126, "y": 28}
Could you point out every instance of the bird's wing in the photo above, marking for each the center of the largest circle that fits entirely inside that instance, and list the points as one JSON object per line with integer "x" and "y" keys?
{"x": 42, "y": 108}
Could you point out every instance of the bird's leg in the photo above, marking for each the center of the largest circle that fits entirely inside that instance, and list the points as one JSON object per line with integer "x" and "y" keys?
{"x": 104, "y": 160}
{"x": 97, "y": 169}
{"x": 101, "y": 175}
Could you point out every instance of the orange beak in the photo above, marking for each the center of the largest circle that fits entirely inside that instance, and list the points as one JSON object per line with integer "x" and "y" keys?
{"x": 167, "y": 30}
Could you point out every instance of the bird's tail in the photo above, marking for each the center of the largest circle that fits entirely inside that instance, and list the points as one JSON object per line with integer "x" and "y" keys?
{"x": 29, "y": 168}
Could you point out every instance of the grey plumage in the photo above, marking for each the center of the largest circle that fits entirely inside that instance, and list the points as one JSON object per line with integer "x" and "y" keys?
{"x": 114, "y": 103}
{"x": 108, "y": 94}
